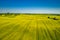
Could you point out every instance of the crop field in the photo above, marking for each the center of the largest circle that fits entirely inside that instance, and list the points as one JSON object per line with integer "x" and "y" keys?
{"x": 30, "y": 27}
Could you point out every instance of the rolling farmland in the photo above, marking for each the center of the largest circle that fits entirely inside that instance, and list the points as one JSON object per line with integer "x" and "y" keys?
{"x": 30, "y": 27}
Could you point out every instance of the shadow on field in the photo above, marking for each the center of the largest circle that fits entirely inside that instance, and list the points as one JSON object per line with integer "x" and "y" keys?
{"x": 54, "y": 18}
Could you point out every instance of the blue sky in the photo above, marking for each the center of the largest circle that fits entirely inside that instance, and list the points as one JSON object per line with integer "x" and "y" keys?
{"x": 30, "y": 6}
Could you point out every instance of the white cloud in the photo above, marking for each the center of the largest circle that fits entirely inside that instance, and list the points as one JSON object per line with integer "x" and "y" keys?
{"x": 30, "y": 10}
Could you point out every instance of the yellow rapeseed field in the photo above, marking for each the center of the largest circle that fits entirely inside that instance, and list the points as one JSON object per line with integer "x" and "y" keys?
{"x": 30, "y": 27}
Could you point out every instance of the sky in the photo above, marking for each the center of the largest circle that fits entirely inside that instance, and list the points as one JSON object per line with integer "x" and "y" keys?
{"x": 30, "y": 6}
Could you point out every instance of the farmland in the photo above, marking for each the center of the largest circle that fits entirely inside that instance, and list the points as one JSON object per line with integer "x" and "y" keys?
{"x": 30, "y": 27}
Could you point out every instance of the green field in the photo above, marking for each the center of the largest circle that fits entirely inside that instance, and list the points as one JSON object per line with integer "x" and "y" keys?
{"x": 30, "y": 27}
